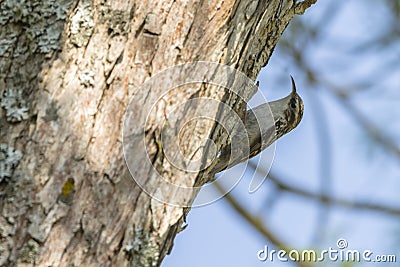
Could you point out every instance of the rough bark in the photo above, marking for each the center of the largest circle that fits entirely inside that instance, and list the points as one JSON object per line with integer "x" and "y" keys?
{"x": 68, "y": 70}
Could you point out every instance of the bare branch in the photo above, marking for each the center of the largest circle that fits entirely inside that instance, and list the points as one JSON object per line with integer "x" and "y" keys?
{"x": 373, "y": 131}
{"x": 340, "y": 93}
{"x": 328, "y": 200}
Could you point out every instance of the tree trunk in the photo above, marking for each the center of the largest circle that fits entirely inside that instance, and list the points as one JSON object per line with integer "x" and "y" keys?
{"x": 69, "y": 71}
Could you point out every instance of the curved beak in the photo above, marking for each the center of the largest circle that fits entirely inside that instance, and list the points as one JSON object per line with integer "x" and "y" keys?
{"x": 293, "y": 85}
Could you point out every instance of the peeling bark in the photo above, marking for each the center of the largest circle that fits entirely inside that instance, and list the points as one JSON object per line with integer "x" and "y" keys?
{"x": 68, "y": 70}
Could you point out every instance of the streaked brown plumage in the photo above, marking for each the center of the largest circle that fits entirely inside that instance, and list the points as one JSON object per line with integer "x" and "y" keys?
{"x": 263, "y": 128}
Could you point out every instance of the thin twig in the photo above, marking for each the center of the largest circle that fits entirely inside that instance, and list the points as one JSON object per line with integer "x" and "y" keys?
{"x": 323, "y": 139}
{"x": 376, "y": 134}
{"x": 371, "y": 129}
{"x": 328, "y": 200}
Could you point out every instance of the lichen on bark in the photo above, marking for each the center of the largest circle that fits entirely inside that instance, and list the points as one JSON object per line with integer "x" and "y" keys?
{"x": 76, "y": 65}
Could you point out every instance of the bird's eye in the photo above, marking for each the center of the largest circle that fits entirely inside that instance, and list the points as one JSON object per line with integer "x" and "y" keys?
{"x": 293, "y": 105}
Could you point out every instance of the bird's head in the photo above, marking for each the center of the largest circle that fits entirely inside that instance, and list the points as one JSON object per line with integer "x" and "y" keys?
{"x": 287, "y": 112}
